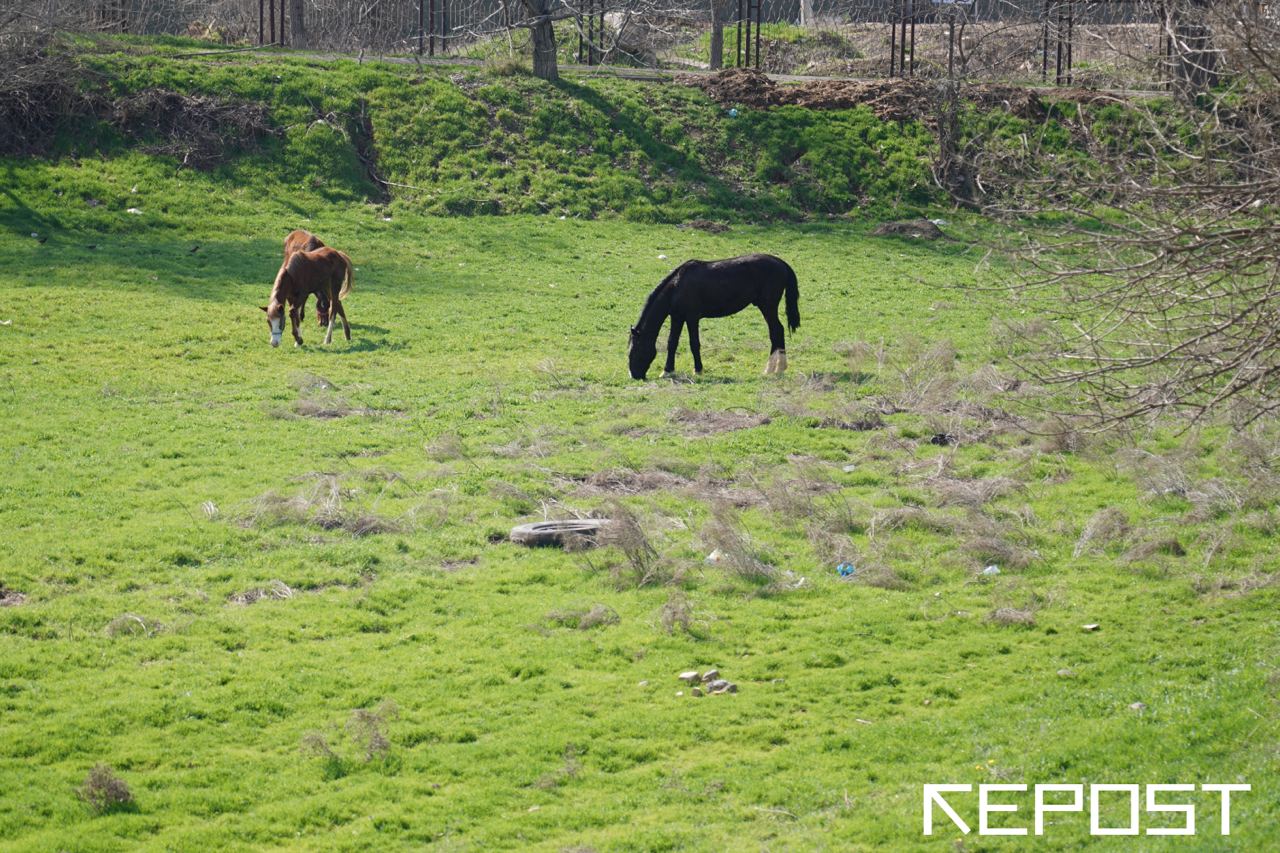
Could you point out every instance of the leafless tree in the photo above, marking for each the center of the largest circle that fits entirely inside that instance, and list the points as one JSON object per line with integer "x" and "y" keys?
{"x": 1170, "y": 301}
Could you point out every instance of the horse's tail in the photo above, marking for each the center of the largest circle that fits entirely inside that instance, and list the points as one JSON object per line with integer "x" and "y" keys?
{"x": 793, "y": 300}
{"x": 350, "y": 280}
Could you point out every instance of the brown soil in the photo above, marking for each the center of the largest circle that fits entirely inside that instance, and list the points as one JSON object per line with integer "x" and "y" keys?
{"x": 698, "y": 424}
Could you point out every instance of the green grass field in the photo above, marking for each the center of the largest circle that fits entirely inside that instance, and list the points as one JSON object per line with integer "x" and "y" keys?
{"x": 270, "y": 588}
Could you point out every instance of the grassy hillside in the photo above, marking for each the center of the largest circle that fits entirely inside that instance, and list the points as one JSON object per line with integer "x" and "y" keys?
{"x": 270, "y": 588}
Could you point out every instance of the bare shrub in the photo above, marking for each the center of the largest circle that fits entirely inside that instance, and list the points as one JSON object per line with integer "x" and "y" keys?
{"x": 105, "y": 792}
{"x": 630, "y": 482}
{"x": 584, "y": 620}
{"x": 1103, "y": 527}
{"x": 643, "y": 565}
{"x": 999, "y": 551}
{"x": 876, "y": 574}
{"x": 1164, "y": 475}
{"x": 323, "y": 505}
{"x": 446, "y": 448}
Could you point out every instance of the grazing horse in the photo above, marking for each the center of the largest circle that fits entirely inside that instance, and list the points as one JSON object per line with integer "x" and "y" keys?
{"x": 325, "y": 272}
{"x": 305, "y": 241}
{"x": 698, "y": 289}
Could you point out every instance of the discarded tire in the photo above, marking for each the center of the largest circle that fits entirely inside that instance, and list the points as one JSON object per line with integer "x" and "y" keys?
{"x": 558, "y": 533}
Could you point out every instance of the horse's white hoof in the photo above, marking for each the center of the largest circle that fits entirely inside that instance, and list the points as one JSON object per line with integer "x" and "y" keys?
{"x": 781, "y": 366}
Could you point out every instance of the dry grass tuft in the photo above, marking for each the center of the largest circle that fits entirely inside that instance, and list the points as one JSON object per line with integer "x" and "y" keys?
{"x": 1012, "y": 616}
{"x": 997, "y": 550}
{"x": 105, "y": 792}
{"x": 1166, "y": 545}
{"x": 629, "y": 482}
{"x": 584, "y": 620}
{"x": 1236, "y": 587}
{"x": 276, "y": 590}
{"x": 973, "y": 494}
{"x": 1104, "y": 527}
{"x": 323, "y": 505}
{"x": 725, "y": 533}
{"x": 878, "y": 575}
{"x": 132, "y": 625}
{"x": 367, "y": 727}
{"x": 11, "y": 597}
{"x": 677, "y": 613}
{"x": 446, "y": 448}
{"x": 912, "y": 517}
{"x": 642, "y": 564}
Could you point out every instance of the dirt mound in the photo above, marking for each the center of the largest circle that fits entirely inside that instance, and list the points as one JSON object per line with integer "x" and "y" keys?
{"x": 745, "y": 87}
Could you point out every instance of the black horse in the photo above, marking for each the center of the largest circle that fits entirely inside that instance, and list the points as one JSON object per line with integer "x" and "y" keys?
{"x": 698, "y": 289}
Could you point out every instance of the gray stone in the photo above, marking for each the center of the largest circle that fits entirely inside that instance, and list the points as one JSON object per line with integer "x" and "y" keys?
{"x": 710, "y": 675}
{"x": 689, "y": 677}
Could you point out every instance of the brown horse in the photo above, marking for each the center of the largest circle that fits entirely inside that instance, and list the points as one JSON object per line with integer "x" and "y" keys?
{"x": 325, "y": 272}
{"x": 305, "y": 241}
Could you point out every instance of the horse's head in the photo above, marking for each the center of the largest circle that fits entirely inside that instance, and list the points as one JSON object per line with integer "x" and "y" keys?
{"x": 640, "y": 352}
{"x": 275, "y": 321}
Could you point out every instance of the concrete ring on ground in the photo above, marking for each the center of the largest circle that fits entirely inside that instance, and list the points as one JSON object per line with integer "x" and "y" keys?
{"x": 559, "y": 533}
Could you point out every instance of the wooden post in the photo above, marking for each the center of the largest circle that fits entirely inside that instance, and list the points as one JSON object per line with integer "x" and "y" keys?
{"x": 893, "y": 37}
{"x": 261, "y": 22}
{"x": 271, "y": 16}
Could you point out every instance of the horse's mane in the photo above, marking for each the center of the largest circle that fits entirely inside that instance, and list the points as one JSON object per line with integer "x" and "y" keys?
{"x": 654, "y": 304}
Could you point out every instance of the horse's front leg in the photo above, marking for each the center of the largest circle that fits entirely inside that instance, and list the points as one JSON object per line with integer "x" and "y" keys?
{"x": 293, "y": 320}
{"x": 673, "y": 343}
{"x": 342, "y": 312}
{"x": 695, "y": 346}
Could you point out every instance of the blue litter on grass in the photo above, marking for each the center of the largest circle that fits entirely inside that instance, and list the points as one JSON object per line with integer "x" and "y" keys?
{"x": 846, "y": 570}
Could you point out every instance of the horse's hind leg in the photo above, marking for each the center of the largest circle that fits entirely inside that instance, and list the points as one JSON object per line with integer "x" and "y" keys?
{"x": 293, "y": 320}
{"x": 342, "y": 312}
{"x": 777, "y": 342}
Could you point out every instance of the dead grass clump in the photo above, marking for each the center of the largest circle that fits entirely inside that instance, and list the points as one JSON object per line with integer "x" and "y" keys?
{"x": 955, "y": 491}
{"x": 323, "y": 505}
{"x": 878, "y": 575}
{"x": 276, "y": 590}
{"x": 306, "y": 382}
{"x": 132, "y": 625}
{"x": 535, "y": 445}
{"x": 738, "y": 555}
{"x": 1214, "y": 498}
{"x": 1104, "y": 527}
{"x": 446, "y": 448}
{"x": 630, "y": 482}
{"x": 998, "y": 551}
{"x": 1166, "y": 545}
{"x": 1160, "y": 475}
{"x": 699, "y": 424}
{"x": 793, "y": 498}
{"x": 642, "y": 564}
{"x": 1059, "y": 436}
{"x": 1236, "y": 587}
{"x": 865, "y": 421}
{"x": 367, "y": 727}
{"x": 105, "y": 792}
{"x": 677, "y": 613}
{"x": 913, "y": 517}
{"x": 11, "y": 597}
{"x": 584, "y": 620}
{"x": 1012, "y": 616}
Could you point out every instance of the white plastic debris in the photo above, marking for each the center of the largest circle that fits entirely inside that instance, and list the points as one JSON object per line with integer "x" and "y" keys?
{"x": 135, "y": 211}
{"x": 715, "y": 556}
{"x": 991, "y": 570}
{"x": 662, "y": 257}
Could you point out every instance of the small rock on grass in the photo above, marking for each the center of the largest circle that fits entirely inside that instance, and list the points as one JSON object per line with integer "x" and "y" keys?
{"x": 690, "y": 677}
{"x": 1092, "y": 626}
{"x": 1138, "y": 706}
{"x": 1066, "y": 673}
{"x": 697, "y": 691}
{"x": 711, "y": 675}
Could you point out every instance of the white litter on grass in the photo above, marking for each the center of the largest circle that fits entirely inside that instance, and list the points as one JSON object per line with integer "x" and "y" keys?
{"x": 991, "y": 570}
{"x": 662, "y": 257}
{"x": 6, "y": 322}
{"x": 938, "y": 221}
{"x": 715, "y": 556}
{"x": 135, "y": 211}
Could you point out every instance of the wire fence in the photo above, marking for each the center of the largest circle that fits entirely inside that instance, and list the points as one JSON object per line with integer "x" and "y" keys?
{"x": 1105, "y": 43}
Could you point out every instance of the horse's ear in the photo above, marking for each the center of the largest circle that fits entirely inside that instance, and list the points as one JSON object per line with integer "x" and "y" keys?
{"x": 263, "y": 309}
